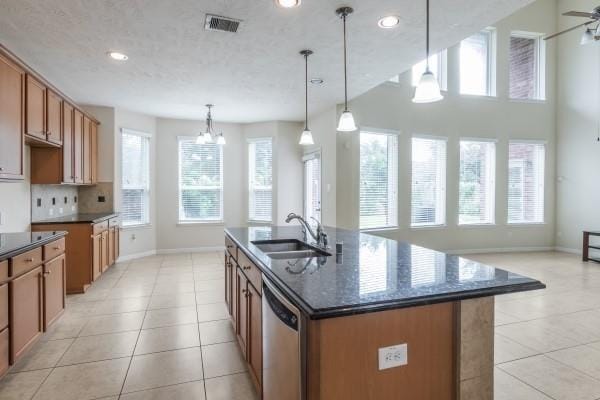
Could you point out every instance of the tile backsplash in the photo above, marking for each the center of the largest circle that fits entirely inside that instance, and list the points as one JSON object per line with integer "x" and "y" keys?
{"x": 51, "y": 201}
{"x": 97, "y": 198}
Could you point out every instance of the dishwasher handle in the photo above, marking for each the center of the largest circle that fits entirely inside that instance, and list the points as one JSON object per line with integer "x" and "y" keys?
{"x": 276, "y": 303}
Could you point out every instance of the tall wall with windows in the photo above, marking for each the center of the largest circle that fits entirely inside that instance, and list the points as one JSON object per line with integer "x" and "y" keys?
{"x": 474, "y": 170}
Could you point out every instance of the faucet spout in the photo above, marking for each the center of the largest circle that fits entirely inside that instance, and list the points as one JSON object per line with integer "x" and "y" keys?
{"x": 319, "y": 236}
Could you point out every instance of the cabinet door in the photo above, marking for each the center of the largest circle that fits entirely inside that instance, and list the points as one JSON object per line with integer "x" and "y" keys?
{"x": 254, "y": 355}
{"x": 54, "y": 289}
{"x": 35, "y": 120}
{"x": 78, "y": 146}
{"x": 227, "y": 282}
{"x": 26, "y": 312}
{"x": 104, "y": 251}
{"x": 111, "y": 246}
{"x": 117, "y": 243}
{"x": 241, "y": 328}
{"x": 87, "y": 153}
{"x": 12, "y": 79}
{"x": 234, "y": 293}
{"x": 93, "y": 152}
{"x": 96, "y": 256}
{"x": 53, "y": 117}
{"x": 68, "y": 148}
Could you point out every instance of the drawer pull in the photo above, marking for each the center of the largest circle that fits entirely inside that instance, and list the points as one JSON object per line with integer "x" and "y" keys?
{"x": 29, "y": 260}
{"x": 246, "y": 267}
{"x": 56, "y": 248}
{"x": 47, "y": 273}
{"x": 244, "y": 291}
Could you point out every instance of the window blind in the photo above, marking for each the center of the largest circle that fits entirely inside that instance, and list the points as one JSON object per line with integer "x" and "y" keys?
{"x": 135, "y": 177}
{"x": 437, "y": 65}
{"x": 524, "y": 67}
{"x": 428, "y": 182}
{"x": 476, "y": 64}
{"x": 477, "y": 182}
{"x": 526, "y": 163}
{"x": 312, "y": 186}
{"x": 378, "y": 180}
{"x": 200, "y": 181}
{"x": 260, "y": 180}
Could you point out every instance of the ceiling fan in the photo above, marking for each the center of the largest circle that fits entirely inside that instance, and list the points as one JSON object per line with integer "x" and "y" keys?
{"x": 590, "y": 34}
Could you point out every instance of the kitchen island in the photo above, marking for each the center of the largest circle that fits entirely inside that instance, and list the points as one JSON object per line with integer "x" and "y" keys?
{"x": 381, "y": 320}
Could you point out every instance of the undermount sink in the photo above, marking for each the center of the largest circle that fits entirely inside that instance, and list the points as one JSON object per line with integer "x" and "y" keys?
{"x": 284, "y": 249}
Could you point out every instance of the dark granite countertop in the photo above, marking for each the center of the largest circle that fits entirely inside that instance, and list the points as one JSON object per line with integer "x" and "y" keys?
{"x": 93, "y": 218}
{"x": 374, "y": 274}
{"x": 12, "y": 244}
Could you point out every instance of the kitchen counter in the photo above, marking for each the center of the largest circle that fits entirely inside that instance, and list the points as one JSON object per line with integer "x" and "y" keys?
{"x": 374, "y": 274}
{"x": 12, "y": 244}
{"x": 92, "y": 218}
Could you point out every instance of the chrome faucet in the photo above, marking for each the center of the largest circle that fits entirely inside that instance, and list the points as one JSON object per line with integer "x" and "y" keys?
{"x": 319, "y": 236}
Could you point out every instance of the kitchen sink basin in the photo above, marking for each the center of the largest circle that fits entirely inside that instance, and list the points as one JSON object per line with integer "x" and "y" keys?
{"x": 285, "y": 249}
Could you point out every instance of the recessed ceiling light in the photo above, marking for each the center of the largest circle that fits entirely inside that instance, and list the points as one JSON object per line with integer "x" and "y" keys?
{"x": 115, "y": 55}
{"x": 388, "y": 22}
{"x": 316, "y": 81}
{"x": 288, "y": 3}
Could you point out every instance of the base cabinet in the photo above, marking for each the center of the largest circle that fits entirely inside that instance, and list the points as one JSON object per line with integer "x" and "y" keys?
{"x": 54, "y": 289}
{"x": 96, "y": 256}
{"x": 254, "y": 355}
{"x": 241, "y": 328}
{"x": 26, "y": 306}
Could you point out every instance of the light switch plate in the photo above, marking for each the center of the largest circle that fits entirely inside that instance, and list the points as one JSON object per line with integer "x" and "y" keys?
{"x": 393, "y": 356}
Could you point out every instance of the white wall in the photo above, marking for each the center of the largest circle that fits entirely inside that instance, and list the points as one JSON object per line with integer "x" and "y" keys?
{"x": 578, "y": 189}
{"x": 15, "y": 201}
{"x": 389, "y": 106}
{"x": 140, "y": 240}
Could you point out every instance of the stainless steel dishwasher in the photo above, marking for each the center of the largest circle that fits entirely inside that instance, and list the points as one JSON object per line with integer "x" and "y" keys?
{"x": 283, "y": 361}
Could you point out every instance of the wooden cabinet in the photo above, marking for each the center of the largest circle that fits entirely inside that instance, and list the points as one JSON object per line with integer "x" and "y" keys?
{"x": 96, "y": 256}
{"x": 53, "y": 117}
{"x": 241, "y": 328}
{"x": 26, "y": 312}
{"x": 68, "y": 148}
{"x": 4, "y": 320}
{"x": 104, "y": 251}
{"x": 12, "y": 81}
{"x": 87, "y": 151}
{"x": 54, "y": 289}
{"x": 117, "y": 243}
{"x": 112, "y": 244}
{"x": 254, "y": 353}
{"x": 35, "y": 110}
{"x": 94, "y": 152}
{"x": 78, "y": 146}
{"x": 228, "y": 270}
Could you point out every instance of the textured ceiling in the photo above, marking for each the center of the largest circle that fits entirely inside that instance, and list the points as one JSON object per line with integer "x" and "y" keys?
{"x": 175, "y": 66}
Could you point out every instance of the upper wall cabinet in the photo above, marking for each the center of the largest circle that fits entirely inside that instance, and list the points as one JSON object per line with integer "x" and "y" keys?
{"x": 35, "y": 127}
{"x": 12, "y": 80}
{"x": 53, "y": 118}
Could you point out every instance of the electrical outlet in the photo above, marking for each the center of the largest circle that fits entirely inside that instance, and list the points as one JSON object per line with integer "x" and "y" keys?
{"x": 60, "y": 210}
{"x": 393, "y": 356}
{"x": 51, "y": 212}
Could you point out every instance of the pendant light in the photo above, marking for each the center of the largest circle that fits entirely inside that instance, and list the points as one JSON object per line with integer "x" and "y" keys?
{"x": 221, "y": 139}
{"x": 428, "y": 90}
{"x": 209, "y": 129}
{"x": 587, "y": 37}
{"x": 306, "y": 138}
{"x": 346, "y": 123}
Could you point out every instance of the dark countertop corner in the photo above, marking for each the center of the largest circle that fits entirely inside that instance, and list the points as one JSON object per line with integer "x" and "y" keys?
{"x": 12, "y": 244}
{"x": 92, "y": 218}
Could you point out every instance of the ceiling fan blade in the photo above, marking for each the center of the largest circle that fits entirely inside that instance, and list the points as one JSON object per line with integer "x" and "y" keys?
{"x": 579, "y": 14}
{"x": 568, "y": 30}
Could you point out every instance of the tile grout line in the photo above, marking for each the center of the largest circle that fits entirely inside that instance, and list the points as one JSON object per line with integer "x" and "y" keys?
{"x": 200, "y": 339}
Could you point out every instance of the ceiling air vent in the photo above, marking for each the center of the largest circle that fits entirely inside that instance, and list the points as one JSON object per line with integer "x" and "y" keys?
{"x": 218, "y": 23}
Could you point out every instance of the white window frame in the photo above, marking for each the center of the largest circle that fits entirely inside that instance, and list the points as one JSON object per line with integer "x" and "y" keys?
{"x": 146, "y": 212}
{"x": 442, "y": 193}
{"x": 393, "y": 204}
{"x": 541, "y": 182}
{"x": 540, "y": 64}
{"x": 250, "y": 178}
{"x": 492, "y": 194}
{"x": 307, "y": 157}
{"x": 180, "y": 188}
{"x": 491, "y": 64}
{"x": 442, "y": 67}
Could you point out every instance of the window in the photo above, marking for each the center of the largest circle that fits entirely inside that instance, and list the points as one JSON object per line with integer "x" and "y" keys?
{"x": 437, "y": 65}
{"x": 260, "y": 180}
{"x": 428, "y": 182}
{"x": 135, "y": 178}
{"x": 477, "y": 64}
{"x": 526, "y": 162}
{"x": 477, "y": 182}
{"x": 312, "y": 186}
{"x": 200, "y": 181}
{"x": 378, "y": 180}
{"x": 526, "y": 66}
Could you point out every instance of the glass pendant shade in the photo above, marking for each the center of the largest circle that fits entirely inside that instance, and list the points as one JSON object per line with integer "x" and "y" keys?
{"x": 346, "y": 123}
{"x": 306, "y": 139}
{"x": 587, "y": 37}
{"x": 596, "y": 33}
{"x": 428, "y": 90}
{"x": 221, "y": 140}
{"x": 207, "y": 137}
{"x": 200, "y": 139}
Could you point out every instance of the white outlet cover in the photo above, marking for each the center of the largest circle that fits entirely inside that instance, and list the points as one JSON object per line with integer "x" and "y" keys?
{"x": 51, "y": 212}
{"x": 393, "y": 356}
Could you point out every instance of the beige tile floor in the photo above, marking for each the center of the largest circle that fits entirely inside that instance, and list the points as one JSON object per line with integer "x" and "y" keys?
{"x": 156, "y": 328}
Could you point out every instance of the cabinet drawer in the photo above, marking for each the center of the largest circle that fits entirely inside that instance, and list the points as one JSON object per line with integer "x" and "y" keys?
{"x": 4, "y": 351}
{"x": 3, "y": 306}
{"x": 251, "y": 271}
{"x": 113, "y": 222}
{"x": 26, "y": 261}
{"x": 100, "y": 227}
{"x": 231, "y": 247}
{"x": 54, "y": 249}
{"x": 3, "y": 270}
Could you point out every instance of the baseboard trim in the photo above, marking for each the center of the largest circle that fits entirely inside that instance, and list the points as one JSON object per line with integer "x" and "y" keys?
{"x": 204, "y": 249}
{"x": 568, "y": 250}
{"x": 501, "y": 250}
{"x": 133, "y": 256}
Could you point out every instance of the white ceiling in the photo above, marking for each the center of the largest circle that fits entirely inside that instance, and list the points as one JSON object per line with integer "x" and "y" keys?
{"x": 175, "y": 66}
